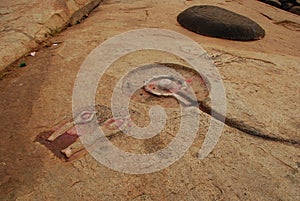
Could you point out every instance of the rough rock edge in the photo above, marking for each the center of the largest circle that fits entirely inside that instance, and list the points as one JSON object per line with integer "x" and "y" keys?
{"x": 67, "y": 18}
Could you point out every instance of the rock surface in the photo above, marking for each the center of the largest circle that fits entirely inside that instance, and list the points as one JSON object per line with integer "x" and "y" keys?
{"x": 261, "y": 79}
{"x": 24, "y": 25}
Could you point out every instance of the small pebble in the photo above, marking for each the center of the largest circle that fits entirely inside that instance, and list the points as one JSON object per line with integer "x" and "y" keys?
{"x": 23, "y": 64}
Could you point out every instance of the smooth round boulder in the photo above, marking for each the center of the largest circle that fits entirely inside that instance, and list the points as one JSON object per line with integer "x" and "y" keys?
{"x": 295, "y": 10}
{"x": 275, "y": 3}
{"x": 287, "y": 5}
{"x": 221, "y": 23}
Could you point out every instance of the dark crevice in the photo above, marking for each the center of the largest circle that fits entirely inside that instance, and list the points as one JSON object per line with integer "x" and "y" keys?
{"x": 243, "y": 127}
{"x": 268, "y": 17}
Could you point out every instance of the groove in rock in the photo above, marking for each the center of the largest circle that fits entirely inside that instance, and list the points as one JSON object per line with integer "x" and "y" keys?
{"x": 243, "y": 127}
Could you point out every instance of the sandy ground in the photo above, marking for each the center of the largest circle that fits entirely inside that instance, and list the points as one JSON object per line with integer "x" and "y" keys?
{"x": 261, "y": 79}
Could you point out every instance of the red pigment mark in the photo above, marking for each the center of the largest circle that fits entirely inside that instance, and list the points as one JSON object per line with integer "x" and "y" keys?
{"x": 72, "y": 131}
{"x": 60, "y": 143}
{"x": 111, "y": 124}
{"x": 189, "y": 80}
{"x": 108, "y": 122}
{"x": 174, "y": 90}
{"x": 129, "y": 125}
{"x": 119, "y": 122}
{"x": 152, "y": 86}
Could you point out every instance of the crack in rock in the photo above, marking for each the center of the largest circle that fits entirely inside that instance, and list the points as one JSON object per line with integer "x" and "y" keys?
{"x": 243, "y": 127}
